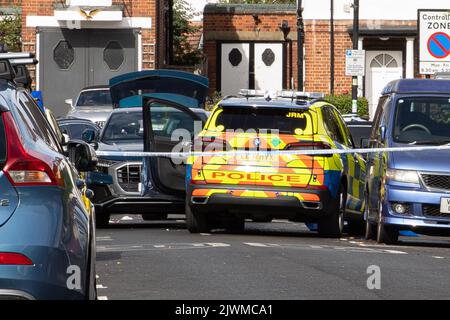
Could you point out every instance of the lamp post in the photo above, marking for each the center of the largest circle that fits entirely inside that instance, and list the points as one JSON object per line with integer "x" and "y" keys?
{"x": 355, "y": 47}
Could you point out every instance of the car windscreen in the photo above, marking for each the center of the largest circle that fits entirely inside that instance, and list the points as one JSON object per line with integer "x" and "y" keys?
{"x": 95, "y": 98}
{"x": 422, "y": 120}
{"x": 282, "y": 120}
{"x": 76, "y": 130}
{"x": 2, "y": 143}
{"x": 124, "y": 127}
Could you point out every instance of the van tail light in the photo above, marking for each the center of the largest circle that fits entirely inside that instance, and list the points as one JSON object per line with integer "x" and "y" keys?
{"x": 24, "y": 169}
{"x": 16, "y": 259}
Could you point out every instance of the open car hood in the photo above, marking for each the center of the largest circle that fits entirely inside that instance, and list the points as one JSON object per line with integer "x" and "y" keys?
{"x": 159, "y": 81}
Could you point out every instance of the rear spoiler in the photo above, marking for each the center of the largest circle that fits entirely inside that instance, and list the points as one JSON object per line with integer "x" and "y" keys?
{"x": 13, "y": 67}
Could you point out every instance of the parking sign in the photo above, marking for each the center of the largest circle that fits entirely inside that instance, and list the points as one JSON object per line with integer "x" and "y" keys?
{"x": 355, "y": 63}
{"x": 434, "y": 33}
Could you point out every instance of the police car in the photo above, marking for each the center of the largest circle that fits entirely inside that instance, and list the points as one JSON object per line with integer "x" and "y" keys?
{"x": 225, "y": 189}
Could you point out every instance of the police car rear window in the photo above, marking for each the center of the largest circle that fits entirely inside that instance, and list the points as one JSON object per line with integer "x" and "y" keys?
{"x": 285, "y": 121}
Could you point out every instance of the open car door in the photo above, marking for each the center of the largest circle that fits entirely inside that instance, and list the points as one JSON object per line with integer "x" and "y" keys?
{"x": 168, "y": 127}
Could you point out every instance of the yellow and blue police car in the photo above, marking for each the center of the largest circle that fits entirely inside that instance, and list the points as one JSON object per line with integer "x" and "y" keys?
{"x": 225, "y": 189}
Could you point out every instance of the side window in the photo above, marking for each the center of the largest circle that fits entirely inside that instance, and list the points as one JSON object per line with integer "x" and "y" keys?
{"x": 166, "y": 120}
{"x": 39, "y": 121}
{"x": 332, "y": 125}
{"x": 380, "y": 118}
{"x": 345, "y": 131}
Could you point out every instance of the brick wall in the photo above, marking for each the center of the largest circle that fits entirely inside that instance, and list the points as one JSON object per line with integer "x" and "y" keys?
{"x": 317, "y": 44}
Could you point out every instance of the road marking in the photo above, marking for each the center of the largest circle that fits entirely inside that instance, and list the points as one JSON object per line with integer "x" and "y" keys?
{"x": 347, "y": 249}
{"x": 100, "y": 286}
{"x": 102, "y": 298}
{"x": 254, "y": 244}
{"x": 205, "y": 234}
{"x": 168, "y": 246}
{"x": 438, "y": 257}
{"x": 106, "y": 238}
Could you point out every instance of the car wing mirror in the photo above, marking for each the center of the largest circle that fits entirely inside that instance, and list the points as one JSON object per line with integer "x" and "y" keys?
{"x": 82, "y": 155}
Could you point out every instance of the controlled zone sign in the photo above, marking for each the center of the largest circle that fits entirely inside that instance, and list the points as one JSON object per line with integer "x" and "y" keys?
{"x": 355, "y": 63}
{"x": 434, "y": 34}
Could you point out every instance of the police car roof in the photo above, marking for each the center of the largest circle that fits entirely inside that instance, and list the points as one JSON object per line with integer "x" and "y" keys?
{"x": 259, "y": 102}
{"x": 411, "y": 86}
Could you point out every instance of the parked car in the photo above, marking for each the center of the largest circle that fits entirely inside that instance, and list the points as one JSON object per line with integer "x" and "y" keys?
{"x": 93, "y": 103}
{"x": 410, "y": 190}
{"x": 361, "y": 130}
{"x": 224, "y": 190}
{"x": 152, "y": 187}
{"x": 45, "y": 229}
{"x": 75, "y": 128}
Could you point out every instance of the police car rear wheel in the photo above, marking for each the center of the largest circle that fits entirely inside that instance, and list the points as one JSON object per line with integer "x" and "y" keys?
{"x": 333, "y": 225}
{"x": 196, "y": 222}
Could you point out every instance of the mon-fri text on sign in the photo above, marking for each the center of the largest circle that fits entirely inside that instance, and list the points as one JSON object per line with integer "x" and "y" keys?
{"x": 434, "y": 33}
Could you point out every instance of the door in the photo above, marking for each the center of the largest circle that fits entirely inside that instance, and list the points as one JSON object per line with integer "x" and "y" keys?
{"x": 73, "y": 59}
{"x": 268, "y": 66}
{"x": 168, "y": 127}
{"x": 235, "y": 68}
{"x": 251, "y": 66}
{"x": 382, "y": 68}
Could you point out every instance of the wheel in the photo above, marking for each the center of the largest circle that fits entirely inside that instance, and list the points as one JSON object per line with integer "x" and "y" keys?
{"x": 91, "y": 279}
{"x": 263, "y": 219}
{"x": 236, "y": 225}
{"x": 356, "y": 228}
{"x": 386, "y": 234}
{"x": 101, "y": 219}
{"x": 369, "y": 233}
{"x": 155, "y": 217}
{"x": 196, "y": 222}
{"x": 333, "y": 225}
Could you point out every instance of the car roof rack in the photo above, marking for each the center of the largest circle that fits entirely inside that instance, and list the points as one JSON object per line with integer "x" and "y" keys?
{"x": 7, "y": 71}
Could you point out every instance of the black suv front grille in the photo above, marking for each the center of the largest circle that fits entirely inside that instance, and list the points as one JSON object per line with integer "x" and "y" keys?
{"x": 433, "y": 181}
{"x": 129, "y": 177}
{"x": 434, "y": 211}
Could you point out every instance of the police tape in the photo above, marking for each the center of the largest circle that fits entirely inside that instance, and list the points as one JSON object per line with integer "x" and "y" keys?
{"x": 322, "y": 152}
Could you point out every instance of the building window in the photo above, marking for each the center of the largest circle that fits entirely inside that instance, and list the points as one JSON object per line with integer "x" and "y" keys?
{"x": 268, "y": 57}
{"x": 384, "y": 60}
{"x": 235, "y": 57}
{"x": 113, "y": 55}
{"x": 64, "y": 55}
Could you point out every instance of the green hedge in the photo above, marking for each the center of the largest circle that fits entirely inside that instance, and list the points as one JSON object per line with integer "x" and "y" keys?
{"x": 344, "y": 104}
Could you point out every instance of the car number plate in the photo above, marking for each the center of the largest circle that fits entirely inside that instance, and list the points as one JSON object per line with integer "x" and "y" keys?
{"x": 445, "y": 205}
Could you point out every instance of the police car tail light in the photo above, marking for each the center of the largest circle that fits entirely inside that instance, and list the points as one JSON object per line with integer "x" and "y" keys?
{"x": 24, "y": 169}
{"x": 209, "y": 144}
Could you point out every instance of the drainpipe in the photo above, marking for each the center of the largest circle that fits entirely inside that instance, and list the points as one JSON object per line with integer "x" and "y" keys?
{"x": 332, "y": 66}
{"x": 300, "y": 45}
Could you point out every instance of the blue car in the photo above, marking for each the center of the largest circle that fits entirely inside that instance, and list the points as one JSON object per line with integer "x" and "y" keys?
{"x": 410, "y": 190}
{"x": 47, "y": 239}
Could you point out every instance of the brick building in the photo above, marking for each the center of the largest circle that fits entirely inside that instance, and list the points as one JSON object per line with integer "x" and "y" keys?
{"x": 82, "y": 43}
{"x": 255, "y": 46}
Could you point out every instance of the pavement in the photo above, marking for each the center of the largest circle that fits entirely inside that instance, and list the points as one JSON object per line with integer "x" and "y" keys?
{"x": 281, "y": 260}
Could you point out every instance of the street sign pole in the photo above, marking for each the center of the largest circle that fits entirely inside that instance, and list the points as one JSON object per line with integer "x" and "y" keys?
{"x": 355, "y": 47}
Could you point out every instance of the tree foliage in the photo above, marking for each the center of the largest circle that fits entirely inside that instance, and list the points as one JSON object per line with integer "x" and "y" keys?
{"x": 183, "y": 52}
{"x": 10, "y": 31}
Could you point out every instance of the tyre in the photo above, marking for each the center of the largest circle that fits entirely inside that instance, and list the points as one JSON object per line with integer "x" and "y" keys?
{"x": 196, "y": 222}
{"x": 356, "y": 228}
{"x": 101, "y": 219}
{"x": 333, "y": 225}
{"x": 155, "y": 217}
{"x": 236, "y": 225}
{"x": 386, "y": 234}
{"x": 369, "y": 233}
